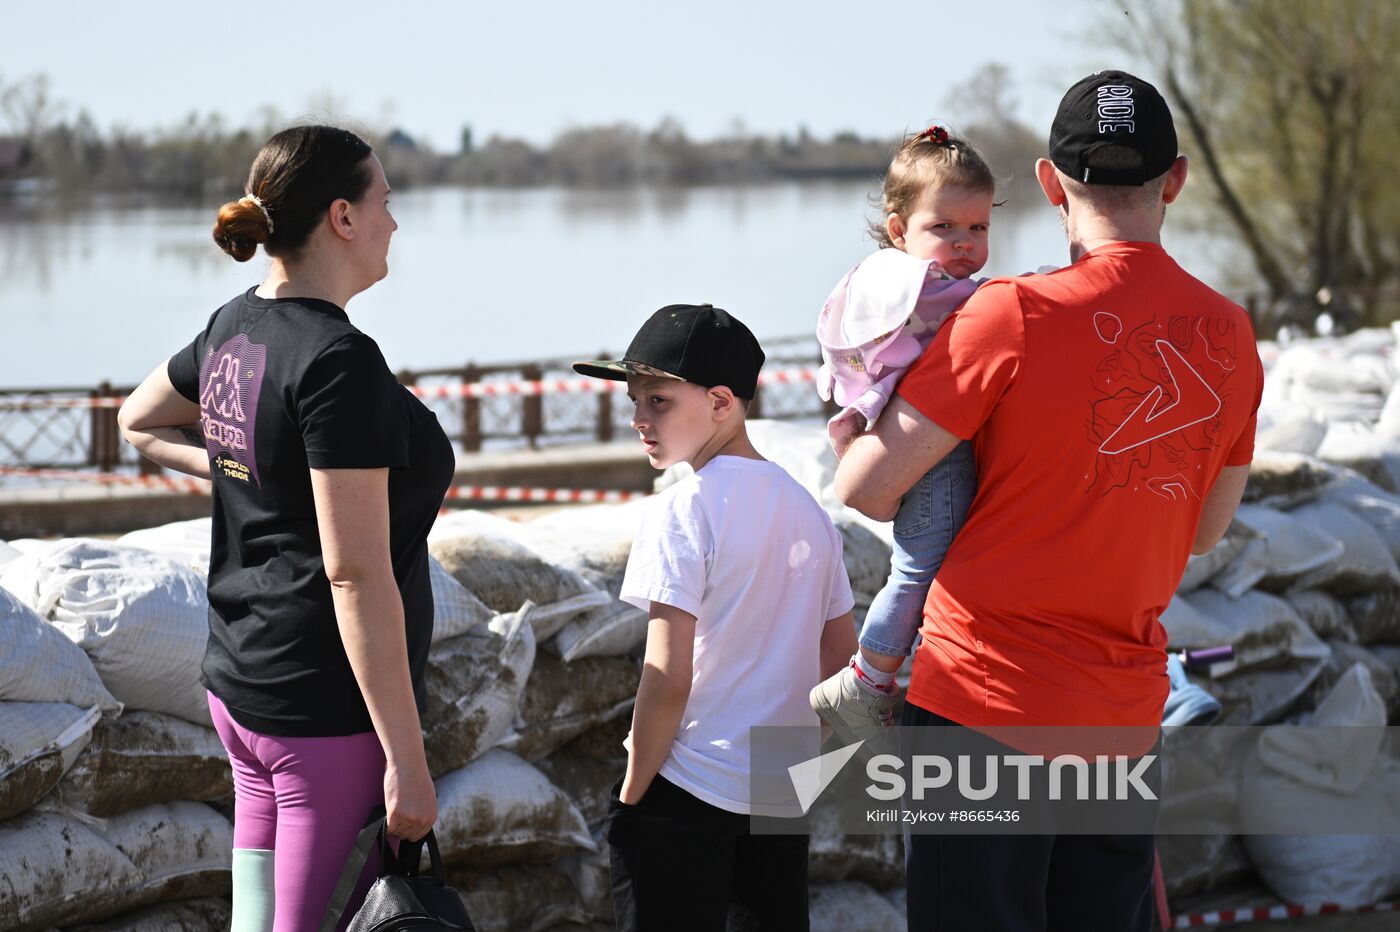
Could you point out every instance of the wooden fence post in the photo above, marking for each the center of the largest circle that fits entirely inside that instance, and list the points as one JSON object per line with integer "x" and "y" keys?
{"x": 532, "y": 407}
{"x": 471, "y": 412}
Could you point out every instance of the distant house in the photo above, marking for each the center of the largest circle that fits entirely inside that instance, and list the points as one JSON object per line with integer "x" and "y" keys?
{"x": 14, "y": 155}
{"x": 398, "y": 139}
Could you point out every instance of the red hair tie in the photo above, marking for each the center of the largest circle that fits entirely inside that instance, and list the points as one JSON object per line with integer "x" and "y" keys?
{"x": 936, "y": 135}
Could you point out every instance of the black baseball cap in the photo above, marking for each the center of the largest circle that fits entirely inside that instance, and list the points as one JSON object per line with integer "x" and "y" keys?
{"x": 696, "y": 343}
{"x": 1112, "y": 108}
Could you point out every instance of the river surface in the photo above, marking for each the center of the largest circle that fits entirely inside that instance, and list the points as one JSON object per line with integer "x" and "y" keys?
{"x": 109, "y": 291}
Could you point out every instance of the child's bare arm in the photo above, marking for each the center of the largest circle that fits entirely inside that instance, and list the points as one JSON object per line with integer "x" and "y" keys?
{"x": 838, "y": 644}
{"x": 661, "y": 696}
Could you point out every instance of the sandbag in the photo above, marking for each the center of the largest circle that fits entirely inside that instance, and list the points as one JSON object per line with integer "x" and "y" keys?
{"x": 186, "y": 542}
{"x": 1375, "y": 616}
{"x": 142, "y": 618}
{"x": 41, "y": 665}
{"x": 1285, "y": 550}
{"x": 206, "y": 914}
{"x": 851, "y": 907}
{"x": 474, "y": 684}
{"x": 500, "y": 810}
{"x": 1384, "y": 678}
{"x": 1201, "y": 567}
{"x": 503, "y": 573}
{"x": 1284, "y": 480}
{"x": 455, "y": 610}
{"x": 8, "y": 553}
{"x": 38, "y": 742}
{"x": 1371, "y": 503}
{"x": 1337, "y": 770}
{"x": 1261, "y": 695}
{"x": 1365, "y": 564}
{"x": 58, "y": 870}
{"x": 1325, "y": 615}
{"x": 1194, "y": 864}
{"x": 143, "y": 758}
{"x": 611, "y": 630}
{"x": 877, "y": 860}
{"x": 591, "y": 873}
{"x": 518, "y": 898}
{"x": 562, "y": 701}
{"x": 1260, "y": 627}
{"x": 588, "y": 767}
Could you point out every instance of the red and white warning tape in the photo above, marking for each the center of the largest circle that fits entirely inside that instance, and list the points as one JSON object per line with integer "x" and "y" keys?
{"x": 169, "y": 483}
{"x": 521, "y": 388}
{"x": 1266, "y": 913}
{"x": 476, "y": 493}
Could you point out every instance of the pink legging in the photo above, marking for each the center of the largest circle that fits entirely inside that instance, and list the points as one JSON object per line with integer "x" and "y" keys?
{"x": 306, "y": 799}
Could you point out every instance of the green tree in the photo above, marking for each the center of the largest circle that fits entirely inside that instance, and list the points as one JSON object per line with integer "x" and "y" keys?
{"x": 1292, "y": 110}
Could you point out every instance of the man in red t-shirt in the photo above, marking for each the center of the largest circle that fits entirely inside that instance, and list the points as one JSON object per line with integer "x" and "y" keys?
{"x": 1112, "y": 407}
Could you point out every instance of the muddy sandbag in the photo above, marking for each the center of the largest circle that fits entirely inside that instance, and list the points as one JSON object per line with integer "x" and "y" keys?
{"x": 1324, "y": 614}
{"x": 1297, "y": 770}
{"x": 500, "y": 810}
{"x": 1384, "y": 678}
{"x": 1262, "y": 629}
{"x": 1195, "y": 864}
{"x": 594, "y": 542}
{"x": 611, "y": 630}
{"x": 58, "y": 870}
{"x": 455, "y": 610}
{"x": 142, "y": 758}
{"x": 1365, "y": 564}
{"x": 504, "y": 573}
{"x": 38, "y": 742}
{"x": 186, "y": 542}
{"x": 41, "y": 665}
{"x": 518, "y": 898}
{"x": 1284, "y": 480}
{"x": 1201, "y": 567}
{"x": 1285, "y": 550}
{"x": 1373, "y": 504}
{"x": 588, "y": 767}
{"x": 591, "y": 873}
{"x": 205, "y": 914}
{"x": 1261, "y": 695}
{"x": 474, "y": 684}
{"x": 851, "y": 907}
{"x": 1375, "y": 616}
{"x": 564, "y": 700}
{"x": 142, "y": 618}
{"x": 877, "y": 860}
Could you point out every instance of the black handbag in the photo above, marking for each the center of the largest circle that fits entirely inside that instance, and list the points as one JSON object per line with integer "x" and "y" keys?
{"x": 402, "y": 899}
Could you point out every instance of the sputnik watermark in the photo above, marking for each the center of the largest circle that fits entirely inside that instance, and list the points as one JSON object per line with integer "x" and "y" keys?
{"x": 1119, "y": 777}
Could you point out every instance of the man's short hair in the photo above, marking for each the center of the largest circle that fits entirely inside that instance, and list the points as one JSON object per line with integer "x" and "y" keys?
{"x": 1111, "y": 199}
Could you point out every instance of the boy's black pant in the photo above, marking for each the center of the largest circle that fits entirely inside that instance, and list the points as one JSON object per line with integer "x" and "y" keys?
{"x": 678, "y": 862}
{"x": 1025, "y": 883}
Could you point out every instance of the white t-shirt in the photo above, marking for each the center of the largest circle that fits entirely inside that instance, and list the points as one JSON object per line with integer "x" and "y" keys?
{"x": 747, "y": 551}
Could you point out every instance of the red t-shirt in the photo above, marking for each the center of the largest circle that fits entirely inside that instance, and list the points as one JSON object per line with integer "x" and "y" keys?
{"x": 1103, "y": 400}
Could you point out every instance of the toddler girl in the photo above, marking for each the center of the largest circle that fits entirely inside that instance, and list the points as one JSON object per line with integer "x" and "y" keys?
{"x": 937, "y": 204}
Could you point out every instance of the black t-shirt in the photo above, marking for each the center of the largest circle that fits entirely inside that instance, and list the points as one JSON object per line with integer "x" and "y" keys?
{"x": 285, "y": 386}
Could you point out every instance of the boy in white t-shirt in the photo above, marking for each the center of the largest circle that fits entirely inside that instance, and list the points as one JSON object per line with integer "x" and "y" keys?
{"x": 750, "y": 608}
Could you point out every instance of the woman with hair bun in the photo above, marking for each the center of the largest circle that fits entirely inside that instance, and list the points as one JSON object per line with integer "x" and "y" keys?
{"x": 327, "y": 475}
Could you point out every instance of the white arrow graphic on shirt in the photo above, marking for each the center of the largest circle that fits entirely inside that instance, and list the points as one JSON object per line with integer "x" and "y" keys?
{"x": 1195, "y": 401}
{"x": 812, "y": 776}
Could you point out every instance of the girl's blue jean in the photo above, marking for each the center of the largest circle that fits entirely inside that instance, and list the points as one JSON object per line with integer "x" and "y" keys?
{"x": 930, "y": 515}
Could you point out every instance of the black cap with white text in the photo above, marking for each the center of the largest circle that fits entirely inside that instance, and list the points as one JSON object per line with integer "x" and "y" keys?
{"x": 1112, "y": 108}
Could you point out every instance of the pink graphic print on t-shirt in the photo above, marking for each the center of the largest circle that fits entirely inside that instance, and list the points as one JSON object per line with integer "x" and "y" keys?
{"x": 230, "y": 381}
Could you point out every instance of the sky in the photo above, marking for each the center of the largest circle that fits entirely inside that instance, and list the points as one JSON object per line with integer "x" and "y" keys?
{"x": 532, "y": 69}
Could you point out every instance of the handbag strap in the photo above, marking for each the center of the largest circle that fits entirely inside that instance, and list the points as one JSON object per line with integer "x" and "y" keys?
{"x": 354, "y": 867}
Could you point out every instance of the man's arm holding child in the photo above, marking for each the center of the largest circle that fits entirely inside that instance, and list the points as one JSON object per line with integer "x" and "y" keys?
{"x": 880, "y": 466}
{"x": 661, "y": 696}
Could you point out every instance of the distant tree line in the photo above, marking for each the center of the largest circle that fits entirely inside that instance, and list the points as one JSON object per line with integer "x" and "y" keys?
{"x": 44, "y": 149}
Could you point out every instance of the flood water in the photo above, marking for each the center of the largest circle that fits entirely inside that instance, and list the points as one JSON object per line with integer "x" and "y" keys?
{"x": 108, "y": 291}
